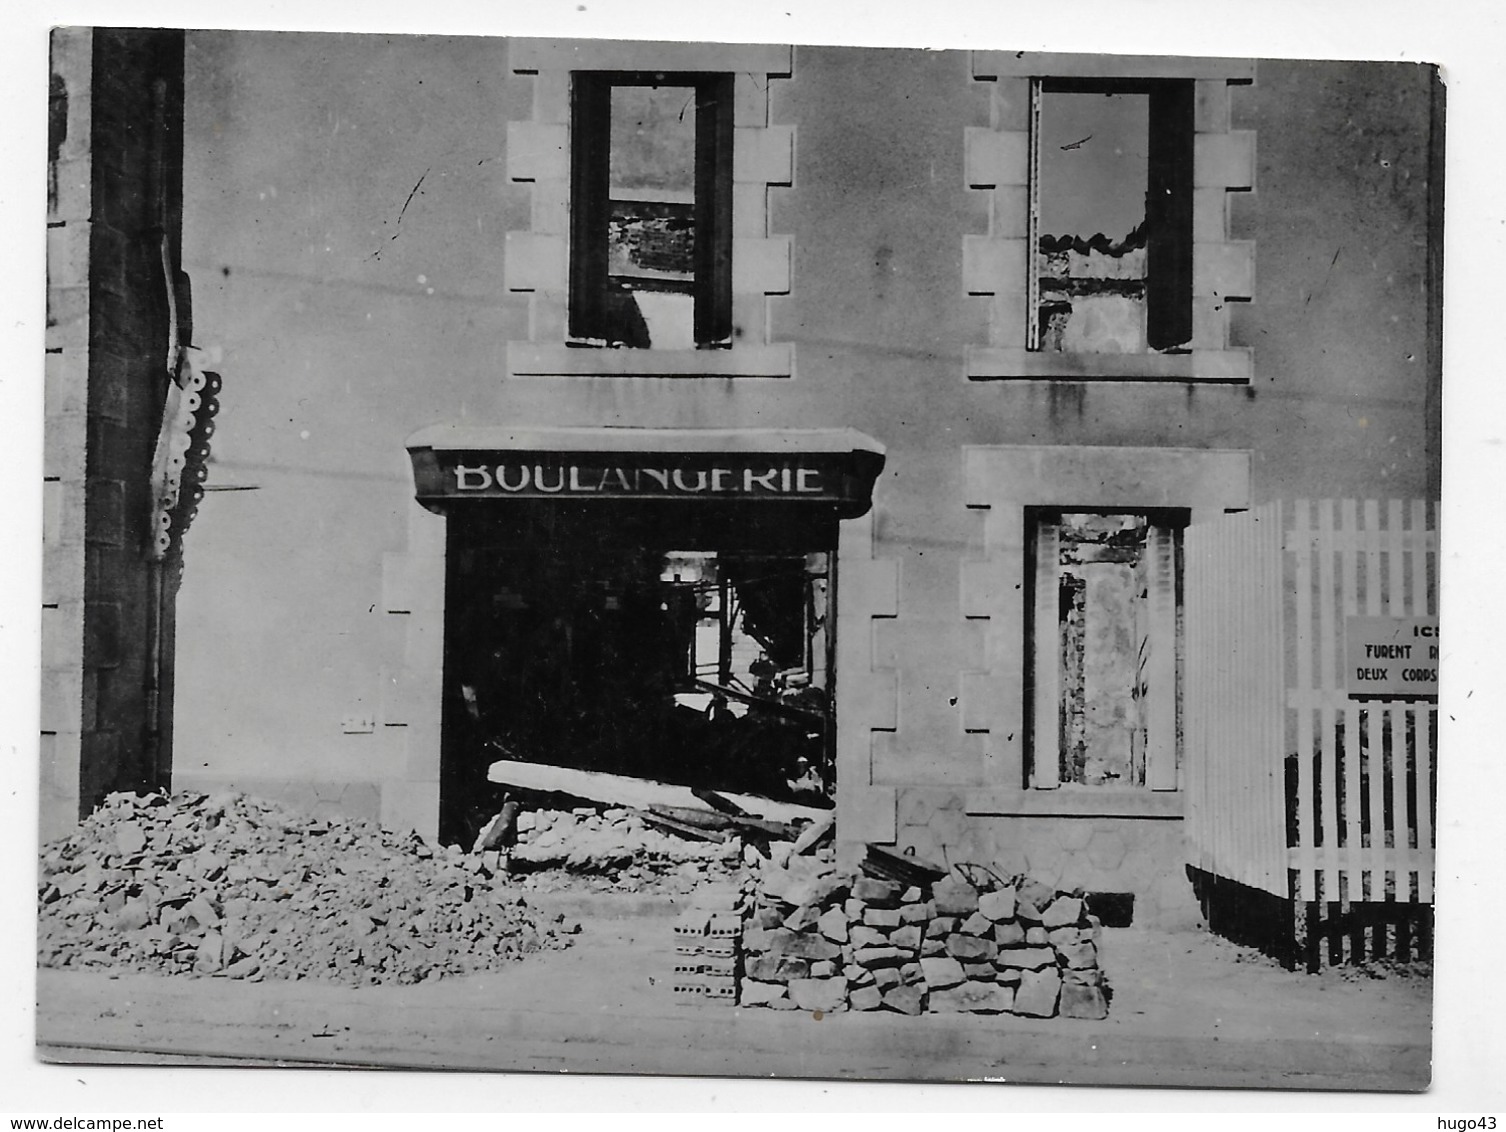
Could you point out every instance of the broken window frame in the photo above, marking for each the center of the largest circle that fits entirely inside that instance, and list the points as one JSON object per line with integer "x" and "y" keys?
{"x": 589, "y": 320}
{"x": 1169, "y": 205}
{"x": 1046, "y": 746}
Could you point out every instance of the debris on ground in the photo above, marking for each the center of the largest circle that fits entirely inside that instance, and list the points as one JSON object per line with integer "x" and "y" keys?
{"x": 618, "y": 849}
{"x": 238, "y": 887}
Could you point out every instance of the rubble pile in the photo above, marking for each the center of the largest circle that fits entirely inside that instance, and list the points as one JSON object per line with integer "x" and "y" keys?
{"x": 621, "y": 848}
{"x": 816, "y": 938}
{"x": 237, "y": 887}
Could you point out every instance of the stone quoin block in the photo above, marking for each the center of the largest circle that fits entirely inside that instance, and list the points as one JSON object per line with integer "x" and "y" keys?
{"x": 761, "y": 266}
{"x": 763, "y": 155}
{"x": 996, "y": 157}
{"x": 1224, "y": 269}
{"x": 984, "y": 588}
{"x": 990, "y": 265}
{"x": 535, "y": 262}
{"x": 1210, "y": 215}
{"x": 1211, "y": 106}
{"x": 1009, "y": 103}
{"x": 872, "y": 585}
{"x": 1224, "y": 160}
{"x": 538, "y": 150}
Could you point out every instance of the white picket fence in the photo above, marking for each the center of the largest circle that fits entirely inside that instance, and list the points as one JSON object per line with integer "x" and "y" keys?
{"x": 1295, "y": 788}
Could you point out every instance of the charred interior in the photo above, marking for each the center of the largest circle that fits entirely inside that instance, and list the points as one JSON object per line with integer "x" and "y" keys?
{"x": 686, "y": 644}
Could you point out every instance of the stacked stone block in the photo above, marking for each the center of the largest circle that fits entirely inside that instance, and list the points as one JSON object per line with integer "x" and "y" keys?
{"x": 816, "y": 938}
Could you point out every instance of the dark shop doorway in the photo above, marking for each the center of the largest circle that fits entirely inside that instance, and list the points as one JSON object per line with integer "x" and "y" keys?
{"x": 685, "y": 642}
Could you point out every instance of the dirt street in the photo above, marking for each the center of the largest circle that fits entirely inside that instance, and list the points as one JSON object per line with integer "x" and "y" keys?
{"x": 1188, "y": 1010}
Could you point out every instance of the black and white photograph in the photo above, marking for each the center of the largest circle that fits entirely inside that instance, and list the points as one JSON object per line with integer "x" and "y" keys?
{"x": 743, "y": 558}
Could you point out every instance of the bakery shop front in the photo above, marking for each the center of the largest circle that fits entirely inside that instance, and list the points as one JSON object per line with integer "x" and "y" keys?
{"x": 657, "y": 603}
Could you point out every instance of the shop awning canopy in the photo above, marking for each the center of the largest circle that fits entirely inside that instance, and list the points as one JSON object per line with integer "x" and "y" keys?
{"x": 454, "y": 464}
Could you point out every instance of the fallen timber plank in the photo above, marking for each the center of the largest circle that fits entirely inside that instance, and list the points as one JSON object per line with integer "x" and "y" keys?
{"x": 814, "y": 833}
{"x": 717, "y": 802}
{"x": 684, "y": 829}
{"x": 709, "y": 819}
{"x": 637, "y": 793}
{"x": 701, "y": 819}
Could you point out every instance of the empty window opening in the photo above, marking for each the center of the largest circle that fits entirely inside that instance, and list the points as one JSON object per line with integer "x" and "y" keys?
{"x": 1111, "y": 217}
{"x": 651, "y": 211}
{"x": 1107, "y": 643}
{"x": 611, "y": 647}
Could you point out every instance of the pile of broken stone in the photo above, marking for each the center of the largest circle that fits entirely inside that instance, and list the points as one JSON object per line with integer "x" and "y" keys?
{"x": 238, "y": 887}
{"x": 620, "y": 848}
{"x": 818, "y": 938}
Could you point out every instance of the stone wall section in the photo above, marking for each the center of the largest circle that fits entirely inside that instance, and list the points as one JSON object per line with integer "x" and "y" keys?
{"x": 114, "y": 197}
{"x": 408, "y": 730}
{"x": 66, "y": 390}
{"x": 867, "y": 695}
{"x": 1105, "y": 854}
{"x": 998, "y": 160}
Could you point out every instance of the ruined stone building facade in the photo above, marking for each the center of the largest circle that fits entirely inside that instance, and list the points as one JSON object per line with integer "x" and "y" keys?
{"x": 733, "y": 414}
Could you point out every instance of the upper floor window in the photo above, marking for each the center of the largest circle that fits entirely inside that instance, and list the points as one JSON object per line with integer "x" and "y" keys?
{"x": 1111, "y": 212}
{"x": 651, "y": 210}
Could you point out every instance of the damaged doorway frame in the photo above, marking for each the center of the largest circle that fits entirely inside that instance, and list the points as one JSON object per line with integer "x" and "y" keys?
{"x": 834, "y": 469}
{"x": 564, "y": 647}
